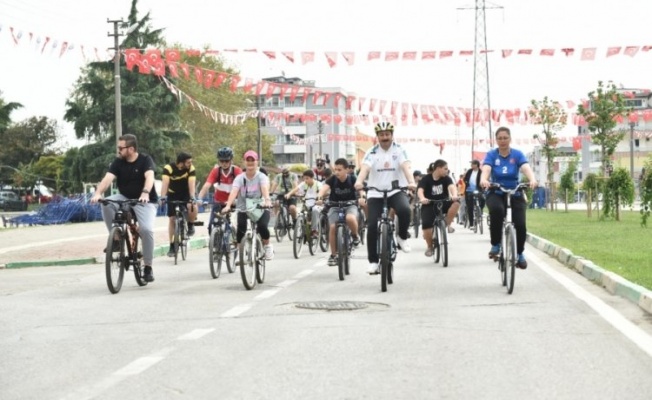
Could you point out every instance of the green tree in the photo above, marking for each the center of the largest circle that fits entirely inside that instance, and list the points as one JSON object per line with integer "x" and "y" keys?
{"x": 606, "y": 106}
{"x": 5, "y": 112}
{"x": 567, "y": 184}
{"x": 645, "y": 190}
{"x": 552, "y": 118}
{"x": 87, "y": 164}
{"x": 619, "y": 191}
{"x": 592, "y": 187}
{"x": 49, "y": 168}
{"x": 149, "y": 110}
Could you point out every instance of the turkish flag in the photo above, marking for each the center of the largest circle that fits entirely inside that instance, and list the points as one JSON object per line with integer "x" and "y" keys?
{"x": 409, "y": 55}
{"x": 349, "y": 56}
{"x": 612, "y": 51}
{"x": 588, "y": 54}
{"x": 172, "y": 55}
{"x": 391, "y": 55}
{"x": 221, "y": 77}
{"x": 633, "y": 117}
{"x": 428, "y": 55}
{"x": 373, "y": 55}
{"x": 466, "y": 52}
{"x": 506, "y": 53}
{"x": 392, "y": 111}
{"x": 154, "y": 55}
{"x": 372, "y": 105}
{"x": 445, "y": 53}
{"x": 361, "y": 101}
{"x": 631, "y": 51}
{"x": 235, "y": 79}
{"x": 158, "y": 68}
{"x": 173, "y": 70}
{"x": 336, "y": 99}
{"x": 331, "y": 57}
{"x": 143, "y": 66}
{"x": 568, "y": 51}
{"x": 270, "y": 54}
{"x": 547, "y": 52}
{"x": 132, "y": 57}
{"x": 525, "y": 51}
{"x": 307, "y": 56}
{"x": 570, "y": 103}
{"x": 289, "y": 55}
{"x": 199, "y": 75}
{"x": 381, "y": 107}
{"x": 209, "y": 76}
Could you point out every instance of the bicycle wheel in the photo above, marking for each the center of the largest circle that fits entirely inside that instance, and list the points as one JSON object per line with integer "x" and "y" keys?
{"x": 392, "y": 257}
{"x": 279, "y": 227}
{"x": 260, "y": 260}
{"x": 231, "y": 252}
{"x": 297, "y": 241}
{"x": 114, "y": 261}
{"x": 341, "y": 252}
{"x": 417, "y": 221}
{"x": 137, "y": 258}
{"x": 347, "y": 246}
{"x": 443, "y": 243}
{"x": 476, "y": 219}
{"x": 436, "y": 248}
{"x": 479, "y": 222}
{"x": 176, "y": 240}
{"x": 184, "y": 239}
{"x": 215, "y": 244}
{"x": 510, "y": 258}
{"x": 312, "y": 242}
{"x": 383, "y": 254}
{"x": 247, "y": 262}
{"x": 323, "y": 233}
{"x": 362, "y": 227}
{"x": 290, "y": 228}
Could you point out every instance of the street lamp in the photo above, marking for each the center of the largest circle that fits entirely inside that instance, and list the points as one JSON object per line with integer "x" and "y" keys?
{"x": 632, "y": 124}
{"x": 256, "y": 103}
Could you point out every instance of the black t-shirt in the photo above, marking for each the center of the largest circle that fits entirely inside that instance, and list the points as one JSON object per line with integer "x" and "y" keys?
{"x": 131, "y": 176}
{"x": 341, "y": 191}
{"x": 178, "y": 186}
{"x": 435, "y": 189}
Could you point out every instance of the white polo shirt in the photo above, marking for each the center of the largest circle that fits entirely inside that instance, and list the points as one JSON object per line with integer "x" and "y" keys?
{"x": 385, "y": 167}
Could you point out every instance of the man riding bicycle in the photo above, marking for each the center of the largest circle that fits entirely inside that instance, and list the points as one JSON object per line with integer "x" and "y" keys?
{"x": 283, "y": 184}
{"x": 221, "y": 178}
{"x": 437, "y": 186}
{"x": 385, "y": 162}
{"x": 178, "y": 184}
{"x": 135, "y": 174}
{"x": 342, "y": 188}
{"x": 472, "y": 182}
{"x": 309, "y": 187}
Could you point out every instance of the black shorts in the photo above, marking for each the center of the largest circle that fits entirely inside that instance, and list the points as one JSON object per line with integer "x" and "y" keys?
{"x": 171, "y": 207}
{"x": 428, "y": 214}
{"x": 292, "y": 201}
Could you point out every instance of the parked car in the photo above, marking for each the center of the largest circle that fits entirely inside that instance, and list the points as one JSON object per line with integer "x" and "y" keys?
{"x": 9, "y": 201}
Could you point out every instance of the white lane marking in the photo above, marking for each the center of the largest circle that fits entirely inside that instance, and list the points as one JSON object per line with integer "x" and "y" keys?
{"x": 237, "y": 310}
{"x": 266, "y": 294}
{"x": 303, "y": 273}
{"x": 613, "y": 317}
{"x": 196, "y": 334}
{"x": 287, "y": 283}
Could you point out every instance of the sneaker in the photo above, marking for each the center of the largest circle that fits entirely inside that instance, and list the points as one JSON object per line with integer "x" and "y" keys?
{"x": 171, "y": 251}
{"x": 372, "y": 269}
{"x": 269, "y": 252}
{"x": 522, "y": 262}
{"x": 355, "y": 241}
{"x": 451, "y": 229}
{"x": 495, "y": 250}
{"x": 429, "y": 252}
{"x": 191, "y": 230}
{"x": 148, "y": 275}
{"x": 332, "y": 260}
{"x": 315, "y": 233}
{"x": 404, "y": 245}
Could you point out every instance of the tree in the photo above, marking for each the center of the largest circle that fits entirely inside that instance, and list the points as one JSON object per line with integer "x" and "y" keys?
{"x": 149, "y": 110}
{"x": 5, "y": 112}
{"x": 592, "y": 186}
{"x": 619, "y": 191}
{"x": 605, "y": 109}
{"x": 552, "y": 118}
{"x": 567, "y": 184}
{"x": 48, "y": 169}
{"x": 645, "y": 190}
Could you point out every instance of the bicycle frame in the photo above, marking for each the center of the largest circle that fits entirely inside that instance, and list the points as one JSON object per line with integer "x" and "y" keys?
{"x": 343, "y": 244}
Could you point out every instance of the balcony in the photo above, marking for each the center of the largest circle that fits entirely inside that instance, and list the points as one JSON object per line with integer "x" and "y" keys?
{"x": 289, "y": 148}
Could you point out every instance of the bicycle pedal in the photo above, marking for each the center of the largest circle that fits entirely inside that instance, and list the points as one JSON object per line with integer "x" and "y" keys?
{"x": 198, "y": 223}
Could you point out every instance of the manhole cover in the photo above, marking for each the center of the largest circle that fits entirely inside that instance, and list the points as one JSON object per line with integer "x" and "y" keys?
{"x": 332, "y": 305}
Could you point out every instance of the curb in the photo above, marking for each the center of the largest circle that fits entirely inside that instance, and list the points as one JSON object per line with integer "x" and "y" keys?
{"x": 613, "y": 283}
{"x": 159, "y": 251}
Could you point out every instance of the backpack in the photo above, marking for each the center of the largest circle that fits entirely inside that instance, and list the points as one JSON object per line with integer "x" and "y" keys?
{"x": 219, "y": 173}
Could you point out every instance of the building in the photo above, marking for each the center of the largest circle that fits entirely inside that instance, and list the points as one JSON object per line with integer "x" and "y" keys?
{"x": 305, "y": 128}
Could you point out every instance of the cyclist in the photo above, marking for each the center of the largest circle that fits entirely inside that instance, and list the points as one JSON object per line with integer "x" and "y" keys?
{"x": 135, "y": 174}
{"x": 414, "y": 199}
{"x": 472, "y": 182}
{"x": 283, "y": 184}
{"x": 320, "y": 170}
{"x": 252, "y": 184}
{"x": 503, "y": 165}
{"x": 437, "y": 186}
{"x": 342, "y": 188}
{"x": 309, "y": 187}
{"x": 351, "y": 170}
{"x": 178, "y": 183}
{"x": 385, "y": 162}
{"x": 221, "y": 178}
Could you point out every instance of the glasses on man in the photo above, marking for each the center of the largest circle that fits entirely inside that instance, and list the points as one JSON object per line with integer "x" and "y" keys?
{"x": 120, "y": 148}
{"x": 225, "y": 161}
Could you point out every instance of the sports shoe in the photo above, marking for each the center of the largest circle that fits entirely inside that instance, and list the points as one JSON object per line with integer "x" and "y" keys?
{"x": 495, "y": 250}
{"x": 429, "y": 252}
{"x": 522, "y": 262}
{"x": 355, "y": 241}
{"x": 372, "y": 269}
{"x": 332, "y": 260}
{"x": 451, "y": 229}
{"x": 171, "y": 251}
{"x": 191, "y": 230}
{"x": 269, "y": 252}
{"x": 404, "y": 245}
{"x": 315, "y": 233}
{"x": 148, "y": 275}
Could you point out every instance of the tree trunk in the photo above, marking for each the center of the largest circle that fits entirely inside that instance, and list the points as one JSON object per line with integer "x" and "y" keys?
{"x": 566, "y": 200}
{"x": 589, "y": 200}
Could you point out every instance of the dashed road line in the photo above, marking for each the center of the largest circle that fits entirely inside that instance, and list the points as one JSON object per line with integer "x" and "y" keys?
{"x": 237, "y": 310}
{"x": 266, "y": 294}
{"x": 196, "y": 334}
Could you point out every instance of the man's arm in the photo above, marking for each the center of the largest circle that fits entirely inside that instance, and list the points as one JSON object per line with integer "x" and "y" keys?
{"x": 484, "y": 179}
{"x": 149, "y": 184}
{"x": 102, "y": 186}
{"x": 191, "y": 186}
{"x": 406, "y": 167}
{"x": 165, "y": 179}
{"x": 364, "y": 172}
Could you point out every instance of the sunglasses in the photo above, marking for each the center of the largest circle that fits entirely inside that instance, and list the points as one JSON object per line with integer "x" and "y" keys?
{"x": 120, "y": 148}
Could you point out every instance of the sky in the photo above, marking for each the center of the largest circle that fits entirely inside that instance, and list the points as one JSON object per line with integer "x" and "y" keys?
{"x": 41, "y": 81}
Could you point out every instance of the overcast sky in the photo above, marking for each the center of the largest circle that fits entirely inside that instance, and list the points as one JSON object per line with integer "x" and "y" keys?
{"x": 42, "y": 81}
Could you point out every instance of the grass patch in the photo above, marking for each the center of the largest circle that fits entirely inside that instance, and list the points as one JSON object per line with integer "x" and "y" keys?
{"x": 624, "y": 247}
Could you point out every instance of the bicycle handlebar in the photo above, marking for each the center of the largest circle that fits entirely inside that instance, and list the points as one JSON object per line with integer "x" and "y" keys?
{"x": 119, "y": 202}
{"x": 402, "y": 188}
{"x": 495, "y": 186}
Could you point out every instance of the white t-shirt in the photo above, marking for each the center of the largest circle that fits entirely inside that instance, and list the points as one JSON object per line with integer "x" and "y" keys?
{"x": 250, "y": 189}
{"x": 310, "y": 192}
{"x": 385, "y": 167}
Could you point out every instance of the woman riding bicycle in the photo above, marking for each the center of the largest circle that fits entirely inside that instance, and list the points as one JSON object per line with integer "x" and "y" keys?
{"x": 503, "y": 165}
{"x": 437, "y": 186}
{"x": 252, "y": 184}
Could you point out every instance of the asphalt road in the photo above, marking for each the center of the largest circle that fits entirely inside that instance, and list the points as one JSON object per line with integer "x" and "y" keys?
{"x": 438, "y": 333}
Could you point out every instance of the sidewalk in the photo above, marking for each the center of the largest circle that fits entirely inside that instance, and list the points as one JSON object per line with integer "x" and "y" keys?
{"x": 71, "y": 244}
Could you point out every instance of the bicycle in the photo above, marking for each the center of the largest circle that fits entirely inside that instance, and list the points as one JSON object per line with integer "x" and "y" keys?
{"x": 416, "y": 218}
{"x": 282, "y": 226}
{"x": 220, "y": 245}
{"x": 180, "y": 236}
{"x": 477, "y": 213}
{"x": 440, "y": 233}
{"x": 387, "y": 248}
{"x": 343, "y": 242}
{"x": 507, "y": 258}
{"x": 252, "y": 255}
{"x": 303, "y": 234}
{"x": 123, "y": 238}
{"x": 323, "y": 230}
{"x": 362, "y": 224}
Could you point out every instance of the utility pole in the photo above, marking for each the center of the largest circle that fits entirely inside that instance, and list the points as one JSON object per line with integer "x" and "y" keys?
{"x": 116, "y": 68}
{"x": 631, "y": 149}
{"x": 260, "y": 137}
{"x": 320, "y": 130}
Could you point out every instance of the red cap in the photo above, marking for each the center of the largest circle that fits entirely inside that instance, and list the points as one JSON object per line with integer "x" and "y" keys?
{"x": 252, "y": 154}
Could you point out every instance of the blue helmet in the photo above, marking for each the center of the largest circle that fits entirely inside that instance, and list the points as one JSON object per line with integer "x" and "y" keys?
{"x": 225, "y": 154}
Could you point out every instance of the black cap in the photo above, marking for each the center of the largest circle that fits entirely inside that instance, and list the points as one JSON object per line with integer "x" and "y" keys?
{"x": 475, "y": 162}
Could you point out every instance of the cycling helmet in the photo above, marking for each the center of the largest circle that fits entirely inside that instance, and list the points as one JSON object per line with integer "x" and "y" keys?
{"x": 225, "y": 154}
{"x": 416, "y": 173}
{"x": 384, "y": 126}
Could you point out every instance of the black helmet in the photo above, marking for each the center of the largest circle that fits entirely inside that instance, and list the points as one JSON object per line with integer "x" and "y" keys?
{"x": 225, "y": 154}
{"x": 416, "y": 173}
